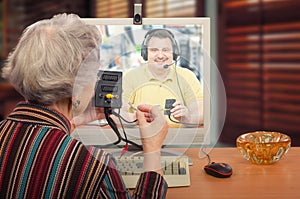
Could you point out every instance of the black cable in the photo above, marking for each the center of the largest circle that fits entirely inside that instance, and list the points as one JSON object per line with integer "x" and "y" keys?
{"x": 125, "y": 135}
{"x": 121, "y": 123}
{"x": 118, "y": 115}
{"x": 113, "y": 125}
{"x": 180, "y": 90}
{"x": 207, "y": 155}
{"x": 184, "y": 102}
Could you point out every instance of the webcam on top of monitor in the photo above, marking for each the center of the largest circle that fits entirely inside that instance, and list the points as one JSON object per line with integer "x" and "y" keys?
{"x": 137, "y": 17}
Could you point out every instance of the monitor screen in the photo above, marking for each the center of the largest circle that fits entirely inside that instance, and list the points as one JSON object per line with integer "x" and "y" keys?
{"x": 130, "y": 49}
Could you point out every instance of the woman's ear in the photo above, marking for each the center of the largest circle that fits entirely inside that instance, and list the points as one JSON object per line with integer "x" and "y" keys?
{"x": 75, "y": 102}
{"x": 81, "y": 101}
{"x": 76, "y": 106}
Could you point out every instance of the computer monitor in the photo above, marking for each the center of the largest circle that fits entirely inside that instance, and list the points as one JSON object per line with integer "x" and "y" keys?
{"x": 121, "y": 50}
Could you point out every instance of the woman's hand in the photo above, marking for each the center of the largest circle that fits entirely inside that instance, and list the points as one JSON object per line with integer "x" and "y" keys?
{"x": 153, "y": 130}
{"x": 153, "y": 127}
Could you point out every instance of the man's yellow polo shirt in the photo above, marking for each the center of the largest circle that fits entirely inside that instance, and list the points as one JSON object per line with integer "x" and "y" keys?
{"x": 140, "y": 86}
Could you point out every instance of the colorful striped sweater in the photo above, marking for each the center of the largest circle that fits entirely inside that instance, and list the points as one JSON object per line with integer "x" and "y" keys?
{"x": 39, "y": 159}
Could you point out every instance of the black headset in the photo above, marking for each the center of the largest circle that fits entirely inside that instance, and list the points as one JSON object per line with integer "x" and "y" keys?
{"x": 165, "y": 34}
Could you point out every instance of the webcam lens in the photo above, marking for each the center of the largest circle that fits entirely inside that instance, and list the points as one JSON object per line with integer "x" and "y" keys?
{"x": 137, "y": 17}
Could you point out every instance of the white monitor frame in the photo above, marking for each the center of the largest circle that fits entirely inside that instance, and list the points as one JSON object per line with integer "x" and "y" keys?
{"x": 180, "y": 137}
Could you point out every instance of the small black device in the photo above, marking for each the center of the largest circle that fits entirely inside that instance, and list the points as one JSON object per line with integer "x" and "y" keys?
{"x": 169, "y": 105}
{"x": 108, "y": 89}
{"x": 108, "y": 94}
{"x": 219, "y": 170}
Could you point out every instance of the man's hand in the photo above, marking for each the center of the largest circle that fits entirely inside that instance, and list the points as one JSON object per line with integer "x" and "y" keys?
{"x": 180, "y": 112}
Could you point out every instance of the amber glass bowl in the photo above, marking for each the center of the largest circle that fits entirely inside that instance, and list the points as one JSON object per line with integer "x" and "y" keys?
{"x": 263, "y": 147}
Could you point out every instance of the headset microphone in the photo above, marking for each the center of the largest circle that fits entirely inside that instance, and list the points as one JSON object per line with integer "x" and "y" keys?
{"x": 167, "y": 65}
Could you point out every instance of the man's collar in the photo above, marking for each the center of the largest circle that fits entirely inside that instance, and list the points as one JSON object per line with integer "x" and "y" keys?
{"x": 169, "y": 77}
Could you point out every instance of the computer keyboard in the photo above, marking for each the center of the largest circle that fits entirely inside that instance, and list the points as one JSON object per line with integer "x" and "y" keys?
{"x": 175, "y": 170}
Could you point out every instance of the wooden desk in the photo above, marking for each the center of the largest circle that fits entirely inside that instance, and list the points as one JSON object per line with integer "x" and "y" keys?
{"x": 280, "y": 180}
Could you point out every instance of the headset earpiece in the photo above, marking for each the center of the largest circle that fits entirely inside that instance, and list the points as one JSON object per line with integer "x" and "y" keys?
{"x": 144, "y": 50}
{"x": 148, "y": 36}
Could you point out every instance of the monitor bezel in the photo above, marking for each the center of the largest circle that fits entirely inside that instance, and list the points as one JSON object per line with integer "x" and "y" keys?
{"x": 205, "y": 21}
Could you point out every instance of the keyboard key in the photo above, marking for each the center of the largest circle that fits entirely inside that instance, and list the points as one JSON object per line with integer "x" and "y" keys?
{"x": 175, "y": 170}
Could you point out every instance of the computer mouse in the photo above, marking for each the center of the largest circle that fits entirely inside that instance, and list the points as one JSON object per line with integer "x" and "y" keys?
{"x": 219, "y": 170}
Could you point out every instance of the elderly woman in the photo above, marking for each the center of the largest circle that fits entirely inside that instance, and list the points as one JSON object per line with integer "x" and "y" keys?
{"x": 38, "y": 157}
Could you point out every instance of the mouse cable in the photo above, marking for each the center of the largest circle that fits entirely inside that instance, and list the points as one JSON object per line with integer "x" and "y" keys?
{"x": 207, "y": 155}
{"x": 184, "y": 123}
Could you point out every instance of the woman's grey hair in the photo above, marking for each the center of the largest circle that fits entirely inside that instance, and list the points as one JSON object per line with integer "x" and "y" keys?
{"x": 45, "y": 62}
